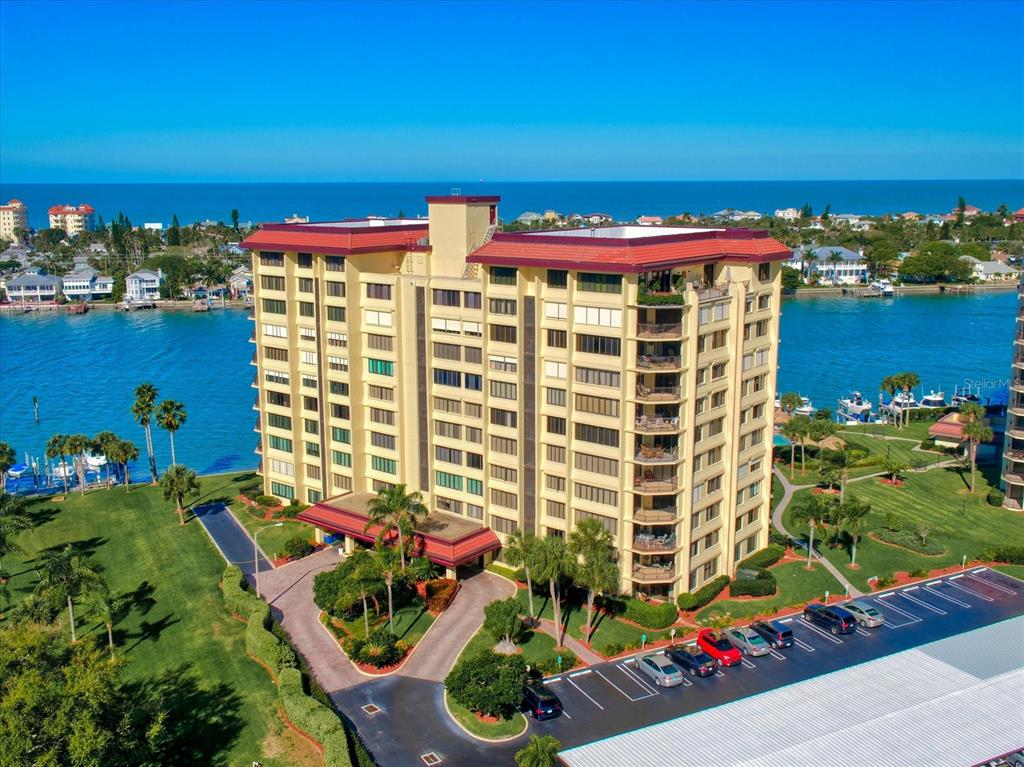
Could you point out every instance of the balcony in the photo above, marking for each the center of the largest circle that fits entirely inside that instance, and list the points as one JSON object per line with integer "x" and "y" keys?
{"x": 1013, "y": 478}
{"x": 1011, "y": 503}
{"x": 654, "y": 454}
{"x": 252, "y": 338}
{"x": 1015, "y": 455}
{"x": 666, "y": 516}
{"x": 256, "y": 403}
{"x": 255, "y": 381}
{"x": 659, "y": 329}
{"x": 654, "y": 484}
{"x": 710, "y": 294}
{"x": 654, "y": 362}
{"x": 659, "y": 298}
{"x": 654, "y": 543}
{"x": 254, "y": 360}
{"x": 256, "y": 426}
{"x": 656, "y": 393}
{"x": 655, "y": 423}
{"x": 651, "y": 573}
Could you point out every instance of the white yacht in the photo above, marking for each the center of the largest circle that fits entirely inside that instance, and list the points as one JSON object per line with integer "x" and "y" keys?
{"x": 853, "y": 408}
{"x": 934, "y": 400}
{"x": 884, "y": 287}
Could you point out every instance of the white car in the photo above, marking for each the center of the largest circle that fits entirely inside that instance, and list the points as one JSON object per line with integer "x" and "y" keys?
{"x": 660, "y": 669}
{"x": 748, "y": 641}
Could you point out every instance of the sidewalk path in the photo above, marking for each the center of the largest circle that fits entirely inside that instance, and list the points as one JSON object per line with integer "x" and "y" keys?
{"x": 234, "y": 542}
{"x": 581, "y": 651}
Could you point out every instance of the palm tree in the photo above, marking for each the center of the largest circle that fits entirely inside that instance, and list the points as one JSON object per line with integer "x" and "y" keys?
{"x": 56, "y": 446}
{"x": 7, "y": 458}
{"x": 123, "y": 452}
{"x": 976, "y": 432}
{"x": 890, "y": 384}
{"x": 13, "y": 520}
{"x": 790, "y": 401}
{"x": 812, "y": 512}
{"x": 801, "y": 425}
{"x": 395, "y": 509}
{"x": 595, "y": 570}
{"x": 893, "y": 467}
{"x": 363, "y": 581}
{"x": 835, "y": 468}
{"x": 853, "y": 518}
{"x": 553, "y": 563}
{"x": 810, "y": 258}
{"x": 541, "y": 751}
{"x": 106, "y": 608}
{"x": 63, "y": 576}
{"x": 904, "y": 381}
{"x": 387, "y": 564}
{"x": 171, "y": 415}
{"x": 835, "y": 258}
{"x": 76, "y": 445}
{"x": 792, "y": 430}
{"x": 103, "y": 440}
{"x": 179, "y": 482}
{"x": 520, "y": 551}
{"x": 5, "y": 592}
{"x": 142, "y": 410}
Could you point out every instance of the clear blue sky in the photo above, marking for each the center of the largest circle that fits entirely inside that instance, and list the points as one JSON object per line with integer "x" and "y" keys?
{"x": 268, "y": 91}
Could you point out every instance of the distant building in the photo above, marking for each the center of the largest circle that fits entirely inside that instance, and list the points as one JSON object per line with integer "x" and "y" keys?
{"x": 231, "y": 249}
{"x": 143, "y": 285}
{"x": 598, "y": 218}
{"x": 240, "y": 282}
{"x": 97, "y": 249}
{"x": 295, "y": 218}
{"x": 87, "y": 284}
{"x": 910, "y": 216}
{"x": 990, "y": 271}
{"x": 850, "y": 269}
{"x": 73, "y": 219}
{"x": 1018, "y": 215}
{"x": 13, "y": 218}
{"x": 649, "y": 220}
{"x": 745, "y": 215}
{"x": 33, "y": 288}
{"x": 155, "y": 226}
{"x": 553, "y": 215}
{"x": 529, "y": 217}
{"x": 787, "y": 214}
{"x": 20, "y": 253}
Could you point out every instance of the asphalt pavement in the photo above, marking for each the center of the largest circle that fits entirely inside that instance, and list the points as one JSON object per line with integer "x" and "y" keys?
{"x": 231, "y": 538}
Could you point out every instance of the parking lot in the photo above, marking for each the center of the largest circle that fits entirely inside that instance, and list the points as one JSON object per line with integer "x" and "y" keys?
{"x": 614, "y": 697}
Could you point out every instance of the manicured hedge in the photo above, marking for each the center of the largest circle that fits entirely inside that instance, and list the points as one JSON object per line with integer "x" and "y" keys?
{"x": 238, "y": 599}
{"x": 995, "y": 498}
{"x": 910, "y": 540}
{"x": 761, "y": 586}
{"x": 650, "y": 615}
{"x": 440, "y": 593}
{"x": 703, "y": 595}
{"x": 764, "y": 558}
{"x": 314, "y": 719}
{"x": 263, "y": 645}
{"x": 550, "y": 665}
{"x": 1011, "y": 555}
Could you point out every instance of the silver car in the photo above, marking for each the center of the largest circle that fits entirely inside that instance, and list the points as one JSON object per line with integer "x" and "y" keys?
{"x": 660, "y": 669}
{"x": 748, "y": 641}
{"x": 864, "y": 614}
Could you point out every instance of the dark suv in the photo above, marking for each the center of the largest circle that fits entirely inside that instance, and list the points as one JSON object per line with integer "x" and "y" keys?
{"x": 775, "y": 634}
{"x": 835, "y": 619}
{"x": 691, "y": 659}
{"x": 539, "y": 702}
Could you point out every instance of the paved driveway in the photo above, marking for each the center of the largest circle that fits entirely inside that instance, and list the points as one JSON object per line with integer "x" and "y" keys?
{"x": 231, "y": 538}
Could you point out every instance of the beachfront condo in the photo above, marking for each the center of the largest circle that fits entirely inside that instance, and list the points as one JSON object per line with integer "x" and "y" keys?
{"x": 13, "y": 221}
{"x": 523, "y": 381}
{"x": 1012, "y": 476}
{"x": 73, "y": 219}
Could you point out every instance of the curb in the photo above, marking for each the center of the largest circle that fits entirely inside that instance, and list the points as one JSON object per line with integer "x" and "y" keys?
{"x": 526, "y": 726}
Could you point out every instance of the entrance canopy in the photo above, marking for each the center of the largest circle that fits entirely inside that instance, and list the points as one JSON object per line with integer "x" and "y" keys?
{"x": 445, "y": 539}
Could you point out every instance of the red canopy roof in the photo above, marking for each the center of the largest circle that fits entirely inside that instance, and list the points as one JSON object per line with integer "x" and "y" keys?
{"x": 335, "y": 240}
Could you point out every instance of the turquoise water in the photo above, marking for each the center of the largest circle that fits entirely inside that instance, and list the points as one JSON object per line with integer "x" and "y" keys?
{"x": 83, "y": 369}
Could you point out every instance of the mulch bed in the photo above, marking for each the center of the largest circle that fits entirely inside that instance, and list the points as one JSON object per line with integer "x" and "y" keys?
{"x": 892, "y": 482}
{"x": 825, "y": 491}
{"x": 903, "y": 577}
{"x": 268, "y": 512}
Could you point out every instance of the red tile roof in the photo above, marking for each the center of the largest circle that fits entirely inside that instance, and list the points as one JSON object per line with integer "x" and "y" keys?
{"x": 461, "y": 199}
{"x": 71, "y": 210}
{"x": 635, "y": 254}
{"x": 334, "y": 240}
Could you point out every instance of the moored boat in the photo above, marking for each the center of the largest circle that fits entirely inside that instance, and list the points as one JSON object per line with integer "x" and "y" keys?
{"x": 853, "y": 408}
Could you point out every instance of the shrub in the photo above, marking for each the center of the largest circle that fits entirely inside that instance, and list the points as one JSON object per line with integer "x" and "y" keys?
{"x": 919, "y": 572}
{"x": 488, "y": 683}
{"x": 764, "y": 558}
{"x": 251, "y": 489}
{"x": 297, "y": 548}
{"x": 910, "y": 540}
{"x": 885, "y": 581}
{"x": 697, "y": 599}
{"x": 440, "y": 593}
{"x": 612, "y": 648}
{"x": 550, "y": 666}
{"x": 650, "y": 615}
{"x": 293, "y": 509}
{"x": 267, "y": 501}
{"x": 501, "y": 619}
{"x": 928, "y": 444}
{"x": 777, "y": 538}
{"x": 331, "y": 584}
{"x": 995, "y": 498}
{"x": 380, "y": 649}
{"x": 893, "y": 522}
{"x": 263, "y": 645}
{"x": 313, "y": 718}
{"x": 761, "y": 586}
{"x": 507, "y": 572}
{"x": 1011, "y": 555}
{"x": 237, "y": 598}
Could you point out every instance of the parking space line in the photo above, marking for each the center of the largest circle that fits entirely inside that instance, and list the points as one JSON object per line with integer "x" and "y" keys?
{"x": 565, "y": 713}
{"x": 777, "y": 654}
{"x": 747, "y": 664}
{"x": 803, "y": 645}
{"x": 895, "y": 609}
{"x": 924, "y": 604}
{"x": 643, "y": 682}
{"x": 719, "y": 673}
{"x": 970, "y": 591}
{"x": 863, "y": 632}
{"x": 816, "y": 630}
{"x": 786, "y": 620}
{"x": 947, "y": 598}
{"x": 992, "y": 585}
{"x": 979, "y": 569}
{"x": 585, "y": 694}
{"x": 954, "y": 577}
{"x": 650, "y": 693}
{"x": 581, "y": 673}
{"x": 687, "y": 682}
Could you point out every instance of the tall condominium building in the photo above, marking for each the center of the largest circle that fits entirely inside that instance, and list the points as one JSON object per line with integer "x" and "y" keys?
{"x": 73, "y": 219}
{"x": 13, "y": 219}
{"x": 1013, "y": 446}
{"x": 524, "y": 381}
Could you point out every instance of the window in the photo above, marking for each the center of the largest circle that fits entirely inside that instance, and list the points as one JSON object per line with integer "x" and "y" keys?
{"x": 271, "y": 259}
{"x": 474, "y": 460}
{"x": 447, "y": 377}
{"x": 341, "y": 435}
{"x": 378, "y": 291}
{"x": 279, "y": 398}
{"x": 378, "y": 415}
{"x": 557, "y": 370}
{"x": 503, "y": 275}
{"x": 339, "y": 340}
{"x": 717, "y": 371}
{"x": 711, "y": 341}
{"x": 555, "y": 396}
{"x": 313, "y": 449}
{"x": 447, "y": 454}
{"x": 501, "y": 525}
{"x": 558, "y": 278}
{"x": 276, "y": 377}
{"x": 503, "y": 390}
{"x": 334, "y": 263}
{"x": 341, "y": 482}
{"x": 475, "y": 487}
{"x": 305, "y": 284}
{"x": 502, "y": 306}
{"x": 597, "y": 377}
{"x": 381, "y": 393}
{"x": 718, "y": 399}
{"x": 270, "y": 282}
{"x": 447, "y": 429}
{"x": 310, "y": 403}
{"x": 505, "y": 334}
{"x": 379, "y": 342}
{"x": 552, "y": 482}
{"x": 278, "y": 466}
{"x": 503, "y": 499}
{"x": 503, "y": 445}
{"x": 308, "y": 381}
{"x": 596, "y": 464}
{"x": 554, "y": 509}
{"x": 503, "y": 473}
{"x": 556, "y": 453}
{"x": 451, "y": 481}
{"x": 507, "y": 418}
{"x": 446, "y": 297}
{"x": 597, "y": 435}
{"x": 304, "y": 260}
{"x": 595, "y": 494}
{"x": 380, "y": 367}
{"x": 611, "y": 525}
{"x": 279, "y": 443}
{"x": 336, "y": 313}
{"x": 447, "y": 405}
{"x": 557, "y": 339}
{"x": 599, "y": 283}
{"x": 335, "y": 289}
{"x": 611, "y": 347}
{"x": 314, "y": 496}
{"x": 274, "y": 306}
{"x": 386, "y": 465}
{"x": 554, "y": 310}
{"x": 472, "y": 300}
{"x": 475, "y": 435}
{"x": 764, "y": 300}
{"x": 307, "y": 334}
{"x": 472, "y": 510}
{"x": 279, "y": 421}
{"x": 380, "y": 319}
{"x": 275, "y": 354}
{"x": 764, "y": 272}
{"x": 441, "y": 325}
{"x": 338, "y": 364}
{"x": 556, "y": 425}
{"x": 341, "y": 459}
{"x": 282, "y": 490}
{"x": 473, "y": 355}
{"x": 447, "y": 351}
{"x": 586, "y": 403}
{"x": 475, "y": 382}
{"x": 472, "y": 329}
{"x": 386, "y": 441}
{"x": 592, "y": 315}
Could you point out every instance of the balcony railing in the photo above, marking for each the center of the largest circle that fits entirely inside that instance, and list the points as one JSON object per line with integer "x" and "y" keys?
{"x": 1015, "y": 455}
{"x": 659, "y": 330}
{"x": 1014, "y": 478}
{"x": 710, "y": 294}
{"x": 656, "y": 423}
{"x": 652, "y": 485}
{"x": 254, "y": 359}
{"x": 1011, "y": 503}
{"x": 256, "y": 426}
{"x": 656, "y": 393}
{"x": 654, "y": 542}
{"x": 652, "y": 362}
{"x": 655, "y": 516}
{"x": 653, "y": 573}
{"x": 648, "y": 454}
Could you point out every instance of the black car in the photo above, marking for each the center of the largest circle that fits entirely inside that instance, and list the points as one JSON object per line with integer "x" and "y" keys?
{"x": 775, "y": 634}
{"x": 835, "y": 619}
{"x": 697, "y": 662}
{"x": 539, "y": 702}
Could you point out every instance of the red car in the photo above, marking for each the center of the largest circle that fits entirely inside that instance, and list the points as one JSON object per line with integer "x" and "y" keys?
{"x": 718, "y": 647}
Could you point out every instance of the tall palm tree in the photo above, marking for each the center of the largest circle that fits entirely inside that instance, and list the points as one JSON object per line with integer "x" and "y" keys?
{"x": 541, "y": 751}
{"x": 595, "y": 569}
{"x": 904, "y": 381}
{"x": 13, "y": 520}
{"x": 792, "y": 430}
{"x": 56, "y": 447}
{"x": 812, "y": 512}
{"x": 395, "y": 509}
{"x": 836, "y": 464}
{"x": 123, "y": 452}
{"x": 103, "y": 440}
{"x": 63, "y": 575}
{"x": 520, "y": 551}
{"x": 171, "y": 415}
{"x": 142, "y": 410}
{"x": 853, "y": 516}
{"x": 364, "y": 582}
{"x": 553, "y": 563}
{"x": 890, "y": 384}
{"x": 976, "y": 432}
{"x": 106, "y": 608}
{"x": 835, "y": 258}
{"x": 178, "y": 483}
{"x": 7, "y": 459}
{"x": 387, "y": 564}
{"x": 76, "y": 445}
{"x": 790, "y": 401}
{"x": 810, "y": 259}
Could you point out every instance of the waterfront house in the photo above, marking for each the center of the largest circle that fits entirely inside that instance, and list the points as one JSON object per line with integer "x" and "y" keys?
{"x": 850, "y": 269}
{"x": 20, "y": 253}
{"x": 787, "y": 214}
{"x": 649, "y": 220}
{"x": 1018, "y": 215}
{"x": 33, "y": 288}
{"x": 910, "y": 216}
{"x": 143, "y": 285}
{"x": 240, "y": 282}
{"x": 86, "y": 284}
{"x": 528, "y": 218}
{"x": 990, "y": 271}
{"x": 598, "y": 218}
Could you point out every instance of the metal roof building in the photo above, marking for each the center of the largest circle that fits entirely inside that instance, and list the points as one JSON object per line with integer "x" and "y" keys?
{"x": 958, "y": 701}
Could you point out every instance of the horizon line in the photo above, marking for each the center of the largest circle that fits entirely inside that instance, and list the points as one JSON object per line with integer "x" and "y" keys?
{"x": 529, "y": 181}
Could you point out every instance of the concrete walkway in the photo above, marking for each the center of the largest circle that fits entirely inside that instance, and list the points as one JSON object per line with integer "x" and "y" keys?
{"x": 233, "y": 540}
{"x": 579, "y": 649}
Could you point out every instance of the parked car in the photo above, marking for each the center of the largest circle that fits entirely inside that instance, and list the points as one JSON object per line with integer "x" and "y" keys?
{"x": 539, "y": 701}
{"x": 718, "y": 647}
{"x": 835, "y": 619}
{"x": 662, "y": 671}
{"x": 693, "y": 659}
{"x": 748, "y": 641}
{"x": 774, "y": 633}
{"x": 865, "y": 614}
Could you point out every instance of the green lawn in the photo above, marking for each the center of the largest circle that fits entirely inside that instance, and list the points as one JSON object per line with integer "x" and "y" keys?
{"x": 178, "y": 621}
{"x": 537, "y": 646}
{"x": 797, "y": 585}
{"x": 777, "y": 490}
{"x": 915, "y": 430}
{"x": 1017, "y": 571}
{"x": 939, "y": 499}
{"x": 881, "y": 449}
{"x": 503, "y": 728}
{"x": 411, "y": 622}
{"x": 272, "y": 539}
